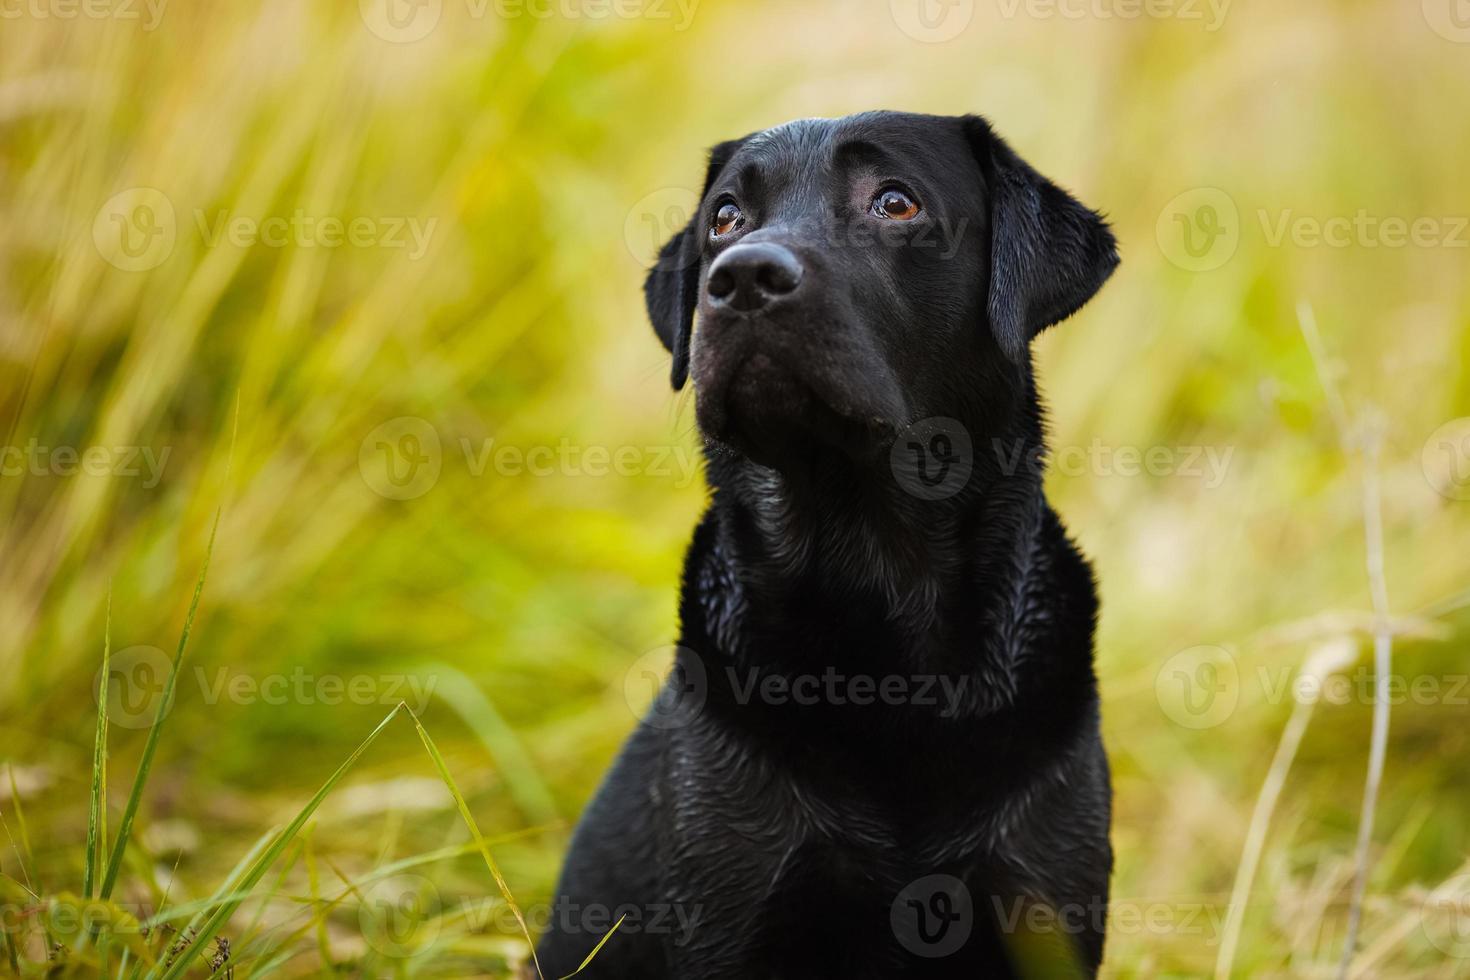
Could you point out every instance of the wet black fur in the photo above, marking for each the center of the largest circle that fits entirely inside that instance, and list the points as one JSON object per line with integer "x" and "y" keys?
{"x": 787, "y": 831}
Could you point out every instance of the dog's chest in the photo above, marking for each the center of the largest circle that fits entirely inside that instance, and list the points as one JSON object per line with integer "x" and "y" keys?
{"x": 804, "y": 891}
{"x": 782, "y": 839}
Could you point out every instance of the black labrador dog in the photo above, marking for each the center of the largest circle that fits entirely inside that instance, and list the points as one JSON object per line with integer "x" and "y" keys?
{"x": 878, "y": 752}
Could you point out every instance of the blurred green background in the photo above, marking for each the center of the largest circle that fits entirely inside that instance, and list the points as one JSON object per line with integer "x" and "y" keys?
{"x": 420, "y": 228}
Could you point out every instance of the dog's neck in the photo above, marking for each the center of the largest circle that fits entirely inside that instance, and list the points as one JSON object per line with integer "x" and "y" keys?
{"x": 836, "y": 538}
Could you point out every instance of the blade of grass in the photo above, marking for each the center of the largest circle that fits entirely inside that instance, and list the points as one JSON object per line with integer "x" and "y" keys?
{"x": 377, "y": 874}
{"x": 464, "y": 812}
{"x": 265, "y": 900}
{"x": 1320, "y": 665}
{"x": 522, "y": 779}
{"x": 23, "y": 851}
{"x": 287, "y": 946}
{"x": 101, "y": 917}
{"x": 351, "y": 889}
{"x": 17, "y": 882}
{"x": 96, "y": 818}
{"x": 352, "y": 886}
{"x": 596, "y": 949}
{"x": 324, "y": 948}
{"x": 10, "y": 951}
{"x": 1362, "y": 435}
{"x": 140, "y": 780}
{"x": 270, "y": 966}
{"x": 1382, "y": 674}
{"x": 172, "y": 877}
{"x": 226, "y": 908}
{"x": 17, "y": 927}
{"x": 388, "y": 843}
{"x": 196, "y": 910}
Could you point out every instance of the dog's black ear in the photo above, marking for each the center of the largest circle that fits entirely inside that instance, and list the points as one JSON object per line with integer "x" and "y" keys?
{"x": 1048, "y": 252}
{"x": 671, "y": 289}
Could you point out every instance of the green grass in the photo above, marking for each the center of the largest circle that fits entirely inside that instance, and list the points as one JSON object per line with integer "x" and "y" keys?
{"x": 505, "y": 607}
{"x": 88, "y": 935}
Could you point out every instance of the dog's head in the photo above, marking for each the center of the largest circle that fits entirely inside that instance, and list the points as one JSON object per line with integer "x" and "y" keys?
{"x": 843, "y": 278}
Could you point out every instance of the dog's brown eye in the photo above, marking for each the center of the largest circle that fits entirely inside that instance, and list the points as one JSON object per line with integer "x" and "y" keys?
{"x": 727, "y": 219}
{"x": 895, "y": 204}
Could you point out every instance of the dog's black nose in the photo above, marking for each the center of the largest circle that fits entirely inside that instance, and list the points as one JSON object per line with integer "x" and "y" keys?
{"x": 750, "y": 276}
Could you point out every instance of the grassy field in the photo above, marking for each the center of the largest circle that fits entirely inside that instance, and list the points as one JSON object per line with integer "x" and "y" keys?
{"x": 365, "y": 282}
